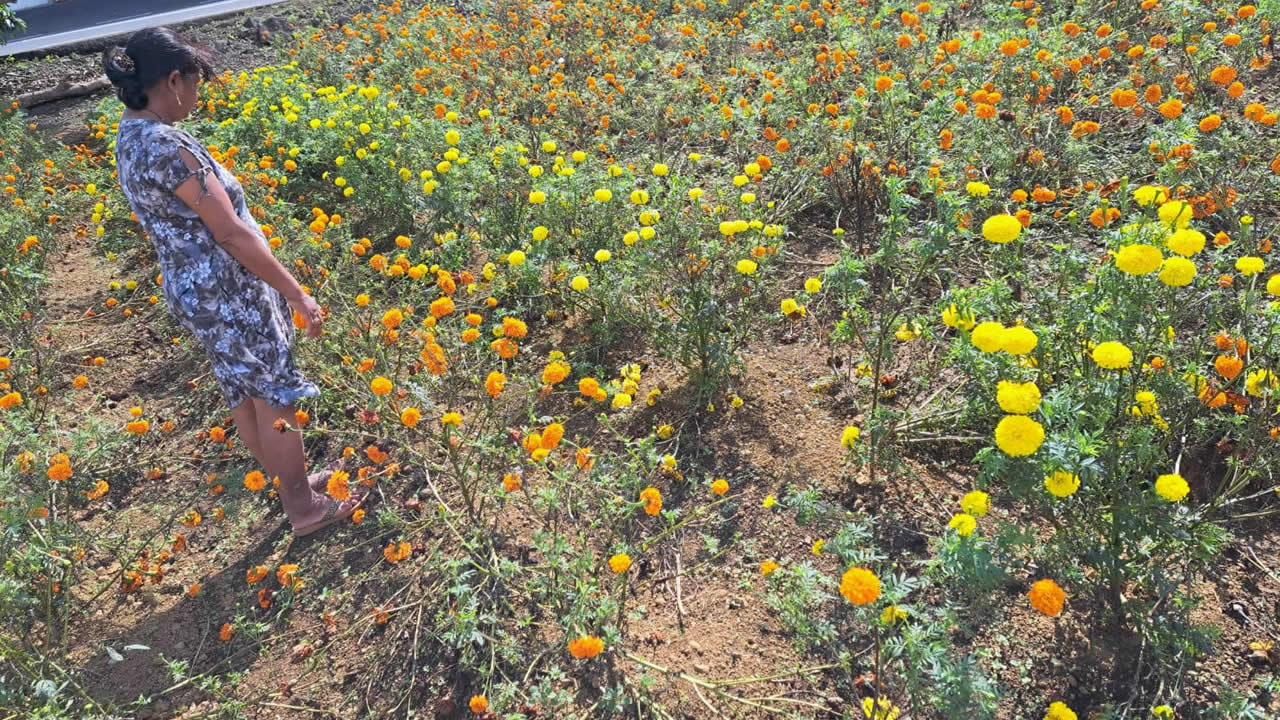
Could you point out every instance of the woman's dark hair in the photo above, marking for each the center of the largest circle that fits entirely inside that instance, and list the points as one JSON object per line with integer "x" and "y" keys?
{"x": 149, "y": 57}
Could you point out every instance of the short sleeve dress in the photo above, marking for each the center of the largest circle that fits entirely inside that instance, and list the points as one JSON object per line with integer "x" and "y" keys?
{"x": 244, "y": 324}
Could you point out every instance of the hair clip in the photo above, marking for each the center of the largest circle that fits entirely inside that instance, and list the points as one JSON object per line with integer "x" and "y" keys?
{"x": 125, "y": 62}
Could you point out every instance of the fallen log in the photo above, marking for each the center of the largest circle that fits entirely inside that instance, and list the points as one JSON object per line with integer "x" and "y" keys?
{"x": 62, "y": 91}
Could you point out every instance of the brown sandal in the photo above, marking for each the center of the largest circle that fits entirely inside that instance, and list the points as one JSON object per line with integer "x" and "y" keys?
{"x": 335, "y": 513}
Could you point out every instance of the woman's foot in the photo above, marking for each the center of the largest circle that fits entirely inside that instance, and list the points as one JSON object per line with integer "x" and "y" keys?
{"x": 324, "y": 513}
{"x": 320, "y": 481}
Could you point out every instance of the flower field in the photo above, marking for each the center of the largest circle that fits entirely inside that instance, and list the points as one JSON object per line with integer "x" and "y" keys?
{"x": 702, "y": 359}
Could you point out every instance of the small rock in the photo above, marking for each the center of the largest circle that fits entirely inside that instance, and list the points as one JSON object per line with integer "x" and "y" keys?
{"x": 696, "y": 647}
{"x": 702, "y": 668}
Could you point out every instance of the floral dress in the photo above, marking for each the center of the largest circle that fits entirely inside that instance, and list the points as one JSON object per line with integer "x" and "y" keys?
{"x": 244, "y": 324}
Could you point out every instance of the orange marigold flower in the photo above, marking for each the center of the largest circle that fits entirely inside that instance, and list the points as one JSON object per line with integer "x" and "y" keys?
{"x": 512, "y": 482}
{"x": 410, "y": 417}
{"x": 1047, "y": 597}
{"x": 285, "y": 575}
{"x": 652, "y": 499}
{"x": 505, "y": 347}
{"x": 478, "y": 704}
{"x": 1170, "y": 108}
{"x": 555, "y": 372}
{"x": 339, "y": 487}
{"x": 584, "y": 458}
{"x": 433, "y": 355}
{"x": 227, "y": 632}
{"x": 395, "y": 553}
{"x": 514, "y": 327}
{"x": 59, "y": 472}
{"x": 441, "y": 307}
{"x": 860, "y": 586}
{"x": 551, "y": 436}
{"x": 380, "y": 386}
{"x": 495, "y": 383}
{"x": 255, "y": 574}
{"x": 586, "y": 647}
{"x": 255, "y": 480}
{"x": 1210, "y": 123}
{"x": 720, "y": 486}
{"x": 217, "y": 434}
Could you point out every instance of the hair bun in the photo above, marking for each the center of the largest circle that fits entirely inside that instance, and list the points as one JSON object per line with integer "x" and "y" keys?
{"x": 123, "y": 74}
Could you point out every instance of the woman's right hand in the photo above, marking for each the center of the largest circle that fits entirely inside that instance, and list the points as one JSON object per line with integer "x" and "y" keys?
{"x": 307, "y": 307}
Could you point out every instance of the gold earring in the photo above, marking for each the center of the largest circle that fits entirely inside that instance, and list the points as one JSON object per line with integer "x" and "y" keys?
{"x": 177, "y": 99}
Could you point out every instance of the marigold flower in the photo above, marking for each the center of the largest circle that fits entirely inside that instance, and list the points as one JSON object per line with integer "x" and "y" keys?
{"x": 1250, "y": 265}
{"x": 746, "y": 267}
{"x": 1018, "y": 340}
{"x": 860, "y": 586}
{"x": 1001, "y": 229}
{"x": 720, "y": 486}
{"x": 1176, "y": 214}
{"x": 59, "y": 472}
{"x": 440, "y": 307}
{"x": 380, "y": 386}
{"x": 767, "y": 567}
{"x": 963, "y": 523}
{"x": 849, "y": 437}
{"x": 512, "y": 482}
{"x": 652, "y": 499}
{"x": 255, "y": 574}
{"x": 1017, "y": 398}
{"x": 514, "y": 327}
{"x": 620, "y": 563}
{"x": 1047, "y": 597}
{"x": 478, "y": 703}
{"x": 495, "y": 383}
{"x": 1138, "y": 259}
{"x": 1112, "y": 355}
{"x": 410, "y": 416}
{"x": 976, "y": 503}
{"x": 138, "y": 427}
{"x": 451, "y": 418}
{"x": 227, "y": 632}
{"x": 1019, "y": 435}
{"x": 555, "y": 372}
{"x": 1172, "y": 487}
{"x": 255, "y": 480}
{"x": 586, "y": 647}
{"x": 396, "y": 552}
{"x": 584, "y": 459}
{"x": 338, "y": 486}
{"x": 1186, "y": 242}
{"x": 988, "y": 336}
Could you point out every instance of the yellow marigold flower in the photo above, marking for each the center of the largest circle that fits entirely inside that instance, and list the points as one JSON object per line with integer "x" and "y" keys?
{"x": 1273, "y": 285}
{"x": 1001, "y": 229}
{"x": 659, "y": 169}
{"x": 963, "y": 523}
{"x": 1019, "y": 435}
{"x": 767, "y": 567}
{"x": 1177, "y": 272}
{"x": 892, "y": 614}
{"x": 362, "y": 300}
{"x": 817, "y": 546}
{"x": 907, "y": 332}
{"x": 620, "y": 563}
{"x": 1061, "y": 483}
{"x": 451, "y": 418}
{"x": 1176, "y": 214}
{"x": 603, "y": 256}
{"x": 537, "y": 197}
{"x": 1172, "y": 487}
{"x": 953, "y": 318}
{"x": 976, "y": 503}
{"x": 988, "y": 336}
{"x": 1186, "y": 242}
{"x": 1018, "y": 398}
{"x": 515, "y": 258}
{"x": 747, "y": 267}
{"x": 812, "y": 285}
{"x": 603, "y": 195}
{"x": 1261, "y": 382}
{"x": 1250, "y": 265}
{"x": 380, "y": 386}
{"x": 1138, "y": 259}
{"x": 1112, "y": 355}
{"x": 621, "y": 400}
{"x": 860, "y": 586}
{"x": 882, "y": 710}
{"x": 1162, "y": 712}
{"x": 977, "y": 189}
{"x": 586, "y": 647}
{"x": 769, "y": 501}
{"x": 720, "y": 486}
{"x": 1059, "y": 711}
{"x": 1018, "y": 340}
{"x": 849, "y": 437}
{"x": 410, "y": 416}
{"x": 1147, "y": 195}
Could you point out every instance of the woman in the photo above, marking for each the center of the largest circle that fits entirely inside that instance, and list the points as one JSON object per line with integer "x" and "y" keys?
{"x": 220, "y": 279}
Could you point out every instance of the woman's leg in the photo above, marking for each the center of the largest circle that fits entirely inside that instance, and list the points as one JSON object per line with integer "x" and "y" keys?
{"x": 285, "y": 460}
{"x": 246, "y": 418}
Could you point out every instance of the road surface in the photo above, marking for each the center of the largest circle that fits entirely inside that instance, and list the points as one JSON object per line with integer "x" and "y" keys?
{"x": 73, "y": 21}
